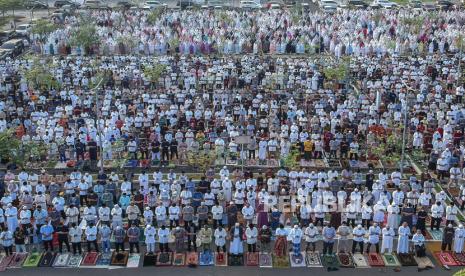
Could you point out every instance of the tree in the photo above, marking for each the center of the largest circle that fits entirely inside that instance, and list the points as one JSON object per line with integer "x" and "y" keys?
{"x": 85, "y": 36}
{"x": 10, "y": 147}
{"x": 43, "y": 27}
{"x": 39, "y": 75}
{"x": 155, "y": 15}
{"x": 11, "y": 5}
{"x": 154, "y": 72}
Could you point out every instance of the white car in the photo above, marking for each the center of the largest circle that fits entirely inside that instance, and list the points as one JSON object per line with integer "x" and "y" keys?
{"x": 153, "y": 5}
{"x": 249, "y": 5}
{"x": 328, "y": 6}
{"x": 384, "y": 4}
{"x": 23, "y": 29}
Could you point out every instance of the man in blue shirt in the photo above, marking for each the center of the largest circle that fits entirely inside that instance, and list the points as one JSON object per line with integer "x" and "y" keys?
{"x": 46, "y": 231}
{"x": 329, "y": 233}
{"x": 105, "y": 234}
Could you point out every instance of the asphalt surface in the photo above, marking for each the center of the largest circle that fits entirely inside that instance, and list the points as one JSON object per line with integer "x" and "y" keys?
{"x": 224, "y": 271}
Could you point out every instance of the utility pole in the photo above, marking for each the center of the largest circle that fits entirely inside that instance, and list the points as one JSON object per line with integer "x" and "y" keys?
{"x": 97, "y": 113}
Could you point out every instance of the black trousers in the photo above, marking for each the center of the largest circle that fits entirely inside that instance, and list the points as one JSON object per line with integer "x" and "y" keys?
{"x": 446, "y": 246}
{"x": 218, "y": 248}
{"x": 60, "y": 245}
{"x": 163, "y": 247}
{"x": 47, "y": 245}
{"x": 133, "y": 245}
{"x": 354, "y": 246}
{"x": 252, "y": 247}
{"x": 77, "y": 247}
{"x": 328, "y": 248}
{"x": 369, "y": 246}
{"x": 435, "y": 223}
{"x": 8, "y": 250}
{"x": 119, "y": 246}
{"x": 89, "y": 243}
{"x": 191, "y": 241}
{"x": 217, "y": 222}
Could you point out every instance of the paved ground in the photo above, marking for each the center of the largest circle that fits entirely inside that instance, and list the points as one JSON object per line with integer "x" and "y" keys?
{"x": 222, "y": 271}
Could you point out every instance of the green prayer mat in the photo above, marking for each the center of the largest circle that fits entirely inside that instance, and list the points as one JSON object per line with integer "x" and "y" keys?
{"x": 281, "y": 262}
{"x": 330, "y": 261}
{"x": 32, "y": 260}
{"x": 390, "y": 260}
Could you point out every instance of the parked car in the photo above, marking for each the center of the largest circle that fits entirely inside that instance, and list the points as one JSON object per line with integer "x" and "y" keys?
{"x": 357, "y": 4}
{"x": 384, "y": 4}
{"x": 16, "y": 46}
{"x": 215, "y": 4}
{"x": 7, "y": 35}
{"x": 93, "y": 4}
{"x": 328, "y": 5}
{"x": 61, "y": 3}
{"x": 429, "y": 7}
{"x": 123, "y": 5}
{"x": 149, "y": 5}
{"x": 23, "y": 29}
{"x": 36, "y": 5}
{"x": 185, "y": 4}
{"x": 445, "y": 5}
{"x": 249, "y": 5}
{"x": 273, "y": 5}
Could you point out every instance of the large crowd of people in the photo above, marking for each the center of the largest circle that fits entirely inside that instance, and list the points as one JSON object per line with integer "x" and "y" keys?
{"x": 205, "y": 99}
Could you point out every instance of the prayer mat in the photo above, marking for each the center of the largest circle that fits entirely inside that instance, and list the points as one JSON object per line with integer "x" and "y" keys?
{"x": 329, "y": 261}
{"x": 445, "y": 258}
{"x": 133, "y": 260}
{"x": 360, "y": 261}
{"x": 435, "y": 234}
{"x": 313, "y": 259}
{"x": 221, "y": 259}
{"x": 374, "y": 259}
{"x": 179, "y": 259}
{"x": 206, "y": 258}
{"x": 345, "y": 260}
{"x": 90, "y": 259}
{"x": 265, "y": 259}
{"x": 103, "y": 260}
{"x": 192, "y": 259}
{"x": 164, "y": 259}
{"x": 252, "y": 259}
{"x": 18, "y": 260}
{"x": 47, "y": 259}
{"x": 61, "y": 260}
{"x": 74, "y": 261}
{"x": 297, "y": 260}
{"x": 406, "y": 259}
{"x": 235, "y": 259}
{"x": 150, "y": 259}
{"x": 459, "y": 258}
{"x": 390, "y": 260}
{"x": 119, "y": 258}
{"x": 5, "y": 262}
{"x": 424, "y": 262}
{"x": 32, "y": 260}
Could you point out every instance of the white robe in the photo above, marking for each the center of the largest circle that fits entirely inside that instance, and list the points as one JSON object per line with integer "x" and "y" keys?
{"x": 236, "y": 246}
{"x": 459, "y": 240}
{"x": 388, "y": 240}
{"x": 402, "y": 245}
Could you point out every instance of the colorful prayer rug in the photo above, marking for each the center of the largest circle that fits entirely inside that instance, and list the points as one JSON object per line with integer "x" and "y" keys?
{"x": 192, "y": 259}
{"x": 47, "y": 259}
{"x": 32, "y": 260}
{"x": 235, "y": 259}
{"x": 406, "y": 259}
{"x": 445, "y": 258}
{"x": 424, "y": 262}
{"x": 17, "y": 260}
{"x": 103, "y": 260}
{"x": 74, "y": 261}
{"x": 164, "y": 259}
{"x": 265, "y": 259}
{"x": 252, "y": 259}
{"x": 360, "y": 261}
{"x": 329, "y": 261}
{"x": 313, "y": 259}
{"x": 133, "y": 260}
{"x": 221, "y": 259}
{"x": 436, "y": 235}
{"x": 179, "y": 259}
{"x": 459, "y": 258}
{"x": 345, "y": 260}
{"x": 61, "y": 260}
{"x": 5, "y": 262}
{"x": 119, "y": 258}
{"x": 390, "y": 260}
{"x": 297, "y": 260}
{"x": 374, "y": 259}
{"x": 206, "y": 258}
{"x": 89, "y": 260}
